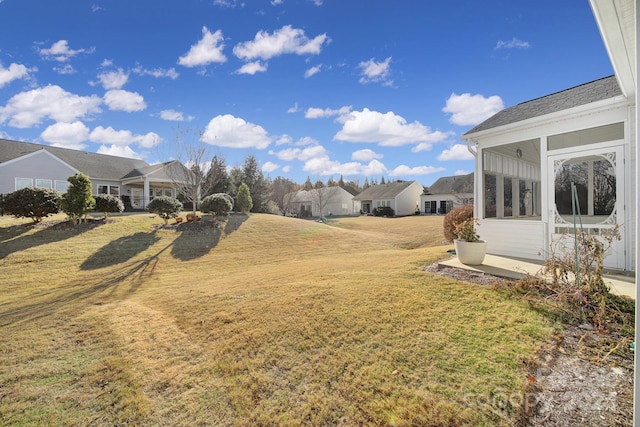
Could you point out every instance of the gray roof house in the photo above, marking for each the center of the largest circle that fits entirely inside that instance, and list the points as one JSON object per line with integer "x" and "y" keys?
{"x": 528, "y": 155}
{"x": 446, "y": 193}
{"x": 402, "y": 196}
{"x": 24, "y": 164}
{"x": 319, "y": 202}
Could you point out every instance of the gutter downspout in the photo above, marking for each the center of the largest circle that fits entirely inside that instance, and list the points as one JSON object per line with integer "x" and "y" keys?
{"x": 476, "y": 176}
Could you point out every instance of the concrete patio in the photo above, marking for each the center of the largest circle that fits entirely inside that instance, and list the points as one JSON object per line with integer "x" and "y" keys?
{"x": 514, "y": 268}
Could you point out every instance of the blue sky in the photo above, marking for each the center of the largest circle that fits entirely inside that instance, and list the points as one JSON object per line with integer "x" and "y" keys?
{"x": 319, "y": 88}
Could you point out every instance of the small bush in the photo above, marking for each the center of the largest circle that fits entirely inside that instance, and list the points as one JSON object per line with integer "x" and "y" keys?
{"x": 107, "y": 204}
{"x": 31, "y": 202}
{"x": 454, "y": 219}
{"x": 217, "y": 204}
{"x": 384, "y": 211}
{"x": 165, "y": 207}
{"x": 77, "y": 202}
{"x": 244, "y": 201}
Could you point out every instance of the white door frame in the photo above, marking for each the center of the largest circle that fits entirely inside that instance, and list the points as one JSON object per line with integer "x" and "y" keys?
{"x": 616, "y": 256}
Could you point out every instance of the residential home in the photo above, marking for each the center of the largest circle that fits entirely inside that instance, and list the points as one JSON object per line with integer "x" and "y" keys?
{"x": 529, "y": 155}
{"x": 319, "y": 202}
{"x": 402, "y": 196}
{"x": 446, "y": 193}
{"x": 24, "y": 164}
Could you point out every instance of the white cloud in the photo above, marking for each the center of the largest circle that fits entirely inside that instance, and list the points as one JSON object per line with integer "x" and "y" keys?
{"x": 276, "y": 2}
{"x": 294, "y": 109}
{"x": 120, "y": 151}
{"x": 467, "y": 109}
{"x": 376, "y": 72}
{"x": 123, "y": 100}
{"x": 386, "y": 129}
{"x": 460, "y": 172}
{"x": 302, "y": 154}
{"x": 269, "y": 167}
{"x": 65, "y": 69}
{"x": 114, "y": 137}
{"x": 318, "y": 113}
{"x": 282, "y": 41}
{"x": 228, "y": 3}
{"x": 14, "y": 72}
{"x": 207, "y": 50}
{"x": 175, "y": 116}
{"x": 514, "y": 43}
{"x": 423, "y": 146}
{"x": 456, "y": 152}
{"x": 29, "y": 108}
{"x": 404, "y": 170}
{"x": 252, "y": 68}
{"x": 234, "y": 132}
{"x": 67, "y": 135}
{"x": 61, "y": 52}
{"x": 365, "y": 155}
{"x": 113, "y": 79}
{"x": 286, "y": 168}
{"x": 323, "y": 165}
{"x": 156, "y": 72}
{"x": 312, "y": 71}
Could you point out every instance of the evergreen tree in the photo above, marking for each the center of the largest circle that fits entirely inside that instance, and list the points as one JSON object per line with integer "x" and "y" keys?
{"x": 244, "y": 202}
{"x": 382, "y": 180}
{"x": 217, "y": 179}
{"x": 341, "y": 182}
{"x": 318, "y": 184}
{"x": 366, "y": 184}
{"x": 307, "y": 184}
{"x": 331, "y": 182}
{"x": 258, "y": 186}
{"x": 77, "y": 202}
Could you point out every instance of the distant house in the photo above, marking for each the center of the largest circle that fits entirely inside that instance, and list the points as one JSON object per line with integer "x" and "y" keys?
{"x": 402, "y": 196}
{"x": 319, "y": 202}
{"x": 134, "y": 181}
{"x": 446, "y": 193}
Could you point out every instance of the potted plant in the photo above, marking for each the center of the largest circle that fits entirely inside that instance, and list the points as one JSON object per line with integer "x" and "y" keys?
{"x": 469, "y": 248}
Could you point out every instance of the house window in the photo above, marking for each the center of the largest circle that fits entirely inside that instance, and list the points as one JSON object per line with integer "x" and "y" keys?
{"x": 112, "y": 190}
{"x": 512, "y": 180}
{"x": 430, "y": 207}
{"x": 62, "y": 186}
{"x": 383, "y": 203}
{"x": 43, "y": 183}
{"x": 23, "y": 183}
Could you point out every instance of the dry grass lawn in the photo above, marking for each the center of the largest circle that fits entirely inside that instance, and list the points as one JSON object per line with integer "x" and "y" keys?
{"x": 267, "y": 321}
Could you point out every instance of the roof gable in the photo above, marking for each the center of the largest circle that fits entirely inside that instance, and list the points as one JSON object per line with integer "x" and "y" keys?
{"x": 384, "y": 191}
{"x": 94, "y": 165}
{"x": 587, "y": 93}
{"x": 451, "y": 185}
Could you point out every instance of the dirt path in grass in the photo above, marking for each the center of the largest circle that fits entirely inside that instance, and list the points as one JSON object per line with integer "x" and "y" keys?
{"x": 573, "y": 381}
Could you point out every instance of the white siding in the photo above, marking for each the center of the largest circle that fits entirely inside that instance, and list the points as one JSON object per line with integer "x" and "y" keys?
{"x": 514, "y": 238}
{"x": 408, "y": 199}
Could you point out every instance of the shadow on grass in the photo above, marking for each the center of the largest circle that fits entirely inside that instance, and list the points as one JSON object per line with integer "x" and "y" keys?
{"x": 121, "y": 283}
{"x": 13, "y": 231}
{"x": 234, "y": 222}
{"x": 48, "y": 234}
{"x": 120, "y": 250}
{"x": 196, "y": 239}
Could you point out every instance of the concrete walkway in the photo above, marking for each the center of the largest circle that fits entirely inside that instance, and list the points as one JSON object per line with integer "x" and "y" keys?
{"x": 514, "y": 268}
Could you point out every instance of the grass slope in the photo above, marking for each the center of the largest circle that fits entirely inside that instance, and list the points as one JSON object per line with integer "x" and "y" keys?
{"x": 269, "y": 321}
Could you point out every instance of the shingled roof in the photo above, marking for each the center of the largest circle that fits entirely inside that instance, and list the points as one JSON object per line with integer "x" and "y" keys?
{"x": 94, "y": 165}
{"x": 597, "y": 90}
{"x": 451, "y": 185}
{"x": 383, "y": 191}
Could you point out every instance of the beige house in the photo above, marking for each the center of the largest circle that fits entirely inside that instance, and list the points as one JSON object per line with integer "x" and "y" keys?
{"x": 402, "y": 196}
{"x": 446, "y": 193}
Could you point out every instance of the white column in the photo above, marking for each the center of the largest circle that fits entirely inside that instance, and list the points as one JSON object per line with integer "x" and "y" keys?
{"x": 145, "y": 194}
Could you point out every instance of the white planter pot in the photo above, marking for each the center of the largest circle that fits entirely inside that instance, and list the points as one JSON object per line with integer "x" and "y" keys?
{"x": 470, "y": 253}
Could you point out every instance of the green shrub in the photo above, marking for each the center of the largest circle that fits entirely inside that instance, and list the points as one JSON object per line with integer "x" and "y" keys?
{"x": 165, "y": 207}
{"x": 454, "y": 219}
{"x": 31, "y": 202}
{"x": 244, "y": 201}
{"x": 383, "y": 211}
{"x": 217, "y": 204}
{"x": 107, "y": 203}
{"x": 77, "y": 202}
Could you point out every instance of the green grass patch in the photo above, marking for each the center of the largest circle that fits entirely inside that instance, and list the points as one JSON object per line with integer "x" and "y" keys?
{"x": 264, "y": 320}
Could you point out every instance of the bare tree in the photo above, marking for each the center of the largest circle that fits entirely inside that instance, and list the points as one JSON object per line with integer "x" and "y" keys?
{"x": 187, "y": 172}
{"x": 321, "y": 197}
